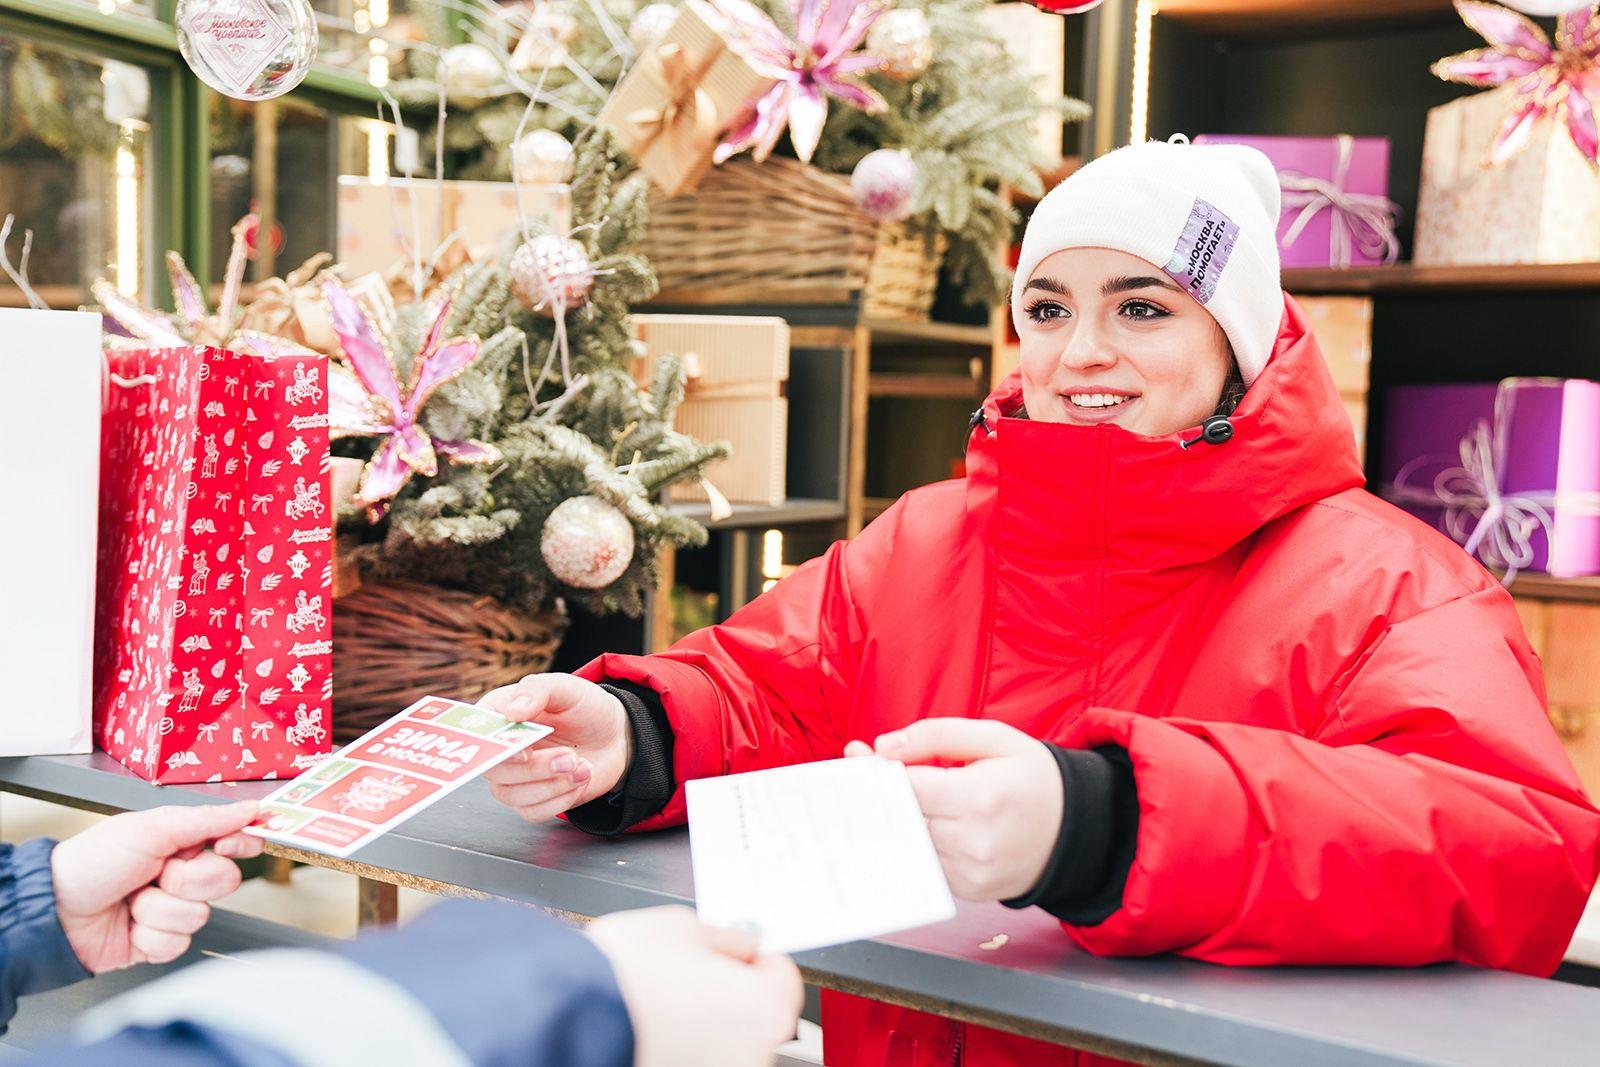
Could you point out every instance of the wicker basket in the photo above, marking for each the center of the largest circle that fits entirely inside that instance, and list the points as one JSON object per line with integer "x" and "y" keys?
{"x": 769, "y": 233}
{"x": 904, "y": 274}
{"x": 394, "y": 642}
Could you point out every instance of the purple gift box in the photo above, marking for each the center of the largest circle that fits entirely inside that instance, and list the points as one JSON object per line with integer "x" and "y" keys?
{"x": 1511, "y": 471}
{"x": 1336, "y": 207}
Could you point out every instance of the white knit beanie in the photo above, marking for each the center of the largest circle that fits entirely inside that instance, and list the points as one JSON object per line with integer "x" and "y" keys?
{"x": 1205, "y": 214}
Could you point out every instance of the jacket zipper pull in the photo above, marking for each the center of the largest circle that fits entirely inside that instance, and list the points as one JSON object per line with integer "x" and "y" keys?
{"x": 978, "y": 419}
{"x": 1217, "y": 430}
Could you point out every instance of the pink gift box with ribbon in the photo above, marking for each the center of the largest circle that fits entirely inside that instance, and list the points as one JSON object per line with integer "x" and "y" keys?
{"x": 1511, "y": 471}
{"x": 1336, "y": 206}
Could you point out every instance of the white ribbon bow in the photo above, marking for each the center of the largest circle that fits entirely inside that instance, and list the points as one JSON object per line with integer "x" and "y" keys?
{"x": 1492, "y": 525}
{"x": 1363, "y": 220}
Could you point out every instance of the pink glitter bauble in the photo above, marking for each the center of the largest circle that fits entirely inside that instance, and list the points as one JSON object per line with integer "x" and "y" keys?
{"x": 551, "y": 274}
{"x": 883, "y": 183}
{"x": 586, "y": 542}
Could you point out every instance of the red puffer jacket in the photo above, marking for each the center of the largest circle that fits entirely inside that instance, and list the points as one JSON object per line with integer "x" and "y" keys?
{"x": 1336, "y": 726}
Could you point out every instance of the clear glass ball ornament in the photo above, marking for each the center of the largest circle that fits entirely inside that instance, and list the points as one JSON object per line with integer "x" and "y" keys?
{"x": 904, "y": 39}
{"x": 248, "y": 49}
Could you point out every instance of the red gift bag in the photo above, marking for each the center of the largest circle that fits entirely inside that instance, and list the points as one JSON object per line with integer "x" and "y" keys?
{"x": 213, "y": 635}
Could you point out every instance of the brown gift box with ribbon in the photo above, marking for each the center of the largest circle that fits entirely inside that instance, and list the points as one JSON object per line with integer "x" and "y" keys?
{"x": 375, "y": 221}
{"x": 685, "y": 89}
{"x": 737, "y": 368}
{"x": 1540, "y": 206}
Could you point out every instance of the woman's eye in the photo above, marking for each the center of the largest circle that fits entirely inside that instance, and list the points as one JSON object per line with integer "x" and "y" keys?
{"x": 1141, "y": 309}
{"x": 1046, "y": 311}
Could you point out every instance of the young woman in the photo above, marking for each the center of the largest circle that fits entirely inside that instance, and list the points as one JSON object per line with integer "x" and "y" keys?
{"x": 1281, "y": 721}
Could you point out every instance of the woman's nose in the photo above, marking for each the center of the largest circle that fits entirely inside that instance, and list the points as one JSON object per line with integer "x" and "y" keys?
{"x": 1087, "y": 347}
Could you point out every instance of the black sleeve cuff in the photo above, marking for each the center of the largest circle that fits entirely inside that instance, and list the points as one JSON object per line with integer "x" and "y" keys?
{"x": 648, "y": 785}
{"x": 1083, "y": 882}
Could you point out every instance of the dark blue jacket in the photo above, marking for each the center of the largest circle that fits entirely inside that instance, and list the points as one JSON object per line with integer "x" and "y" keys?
{"x": 470, "y": 983}
{"x": 34, "y": 954}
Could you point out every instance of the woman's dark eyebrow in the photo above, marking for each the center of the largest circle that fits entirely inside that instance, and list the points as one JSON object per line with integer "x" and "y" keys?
{"x": 1049, "y": 285}
{"x": 1127, "y": 284}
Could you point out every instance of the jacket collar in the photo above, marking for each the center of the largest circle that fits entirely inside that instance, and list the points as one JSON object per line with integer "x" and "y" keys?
{"x": 1085, "y": 492}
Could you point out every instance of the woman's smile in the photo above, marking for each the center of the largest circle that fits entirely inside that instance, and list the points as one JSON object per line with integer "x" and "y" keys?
{"x": 1092, "y": 406}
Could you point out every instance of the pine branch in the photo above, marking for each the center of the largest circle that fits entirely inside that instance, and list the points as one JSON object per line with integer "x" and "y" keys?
{"x": 660, "y": 473}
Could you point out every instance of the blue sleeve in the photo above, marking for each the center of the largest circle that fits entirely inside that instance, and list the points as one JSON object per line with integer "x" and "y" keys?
{"x": 34, "y": 953}
{"x": 508, "y": 986}
{"x": 175, "y": 1045}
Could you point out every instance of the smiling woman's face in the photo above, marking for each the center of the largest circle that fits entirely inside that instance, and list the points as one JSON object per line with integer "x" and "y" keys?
{"x": 1106, "y": 337}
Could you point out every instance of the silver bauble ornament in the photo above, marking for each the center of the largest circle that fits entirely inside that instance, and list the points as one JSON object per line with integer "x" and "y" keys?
{"x": 543, "y": 157}
{"x": 1546, "y": 7}
{"x": 549, "y": 30}
{"x": 883, "y": 183}
{"x": 551, "y": 275}
{"x": 586, "y": 542}
{"x": 247, "y": 49}
{"x": 651, "y": 24}
{"x": 904, "y": 40}
{"x": 471, "y": 74}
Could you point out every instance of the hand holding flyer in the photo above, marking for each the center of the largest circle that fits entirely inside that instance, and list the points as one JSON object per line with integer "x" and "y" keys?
{"x": 380, "y": 780}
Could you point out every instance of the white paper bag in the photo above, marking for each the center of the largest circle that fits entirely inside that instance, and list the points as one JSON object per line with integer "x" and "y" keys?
{"x": 50, "y": 448}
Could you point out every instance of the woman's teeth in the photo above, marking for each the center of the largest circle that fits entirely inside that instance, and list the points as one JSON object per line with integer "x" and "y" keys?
{"x": 1097, "y": 400}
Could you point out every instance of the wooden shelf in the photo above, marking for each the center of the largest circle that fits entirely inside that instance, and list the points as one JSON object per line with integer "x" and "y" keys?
{"x": 791, "y": 512}
{"x": 1257, "y": 18}
{"x": 874, "y": 506}
{"x": 924, "y": 386}
{"x": 1405, "y": 278}
{"x": 889, "y": 331}
{"x": 1544, "y": 587}
{"x": 60, "y": 297}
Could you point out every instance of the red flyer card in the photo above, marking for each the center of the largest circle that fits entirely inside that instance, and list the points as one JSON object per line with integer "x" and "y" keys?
{"x": 395, "y": 770}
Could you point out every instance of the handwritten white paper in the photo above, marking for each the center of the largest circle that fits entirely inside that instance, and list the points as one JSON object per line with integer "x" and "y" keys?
{"x": 815, "y": 855}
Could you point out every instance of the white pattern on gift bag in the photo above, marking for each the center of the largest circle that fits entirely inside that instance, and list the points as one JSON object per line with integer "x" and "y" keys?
{"x": 178, "y": 427}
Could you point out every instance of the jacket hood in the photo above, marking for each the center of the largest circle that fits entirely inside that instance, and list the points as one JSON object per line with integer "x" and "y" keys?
{"x": 1103, "y": 491}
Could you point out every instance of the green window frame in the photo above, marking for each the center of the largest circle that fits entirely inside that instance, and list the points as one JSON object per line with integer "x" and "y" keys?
{"x": 181, "y": 208}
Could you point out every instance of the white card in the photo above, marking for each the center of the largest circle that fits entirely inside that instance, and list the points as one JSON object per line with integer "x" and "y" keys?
{"x": 50, "y": 434}
{"x": 815, "y": 855}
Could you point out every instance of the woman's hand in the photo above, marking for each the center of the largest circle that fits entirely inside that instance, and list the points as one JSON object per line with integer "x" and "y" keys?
{"x": 584, "y": 758}
{"x": 995, "y": 819}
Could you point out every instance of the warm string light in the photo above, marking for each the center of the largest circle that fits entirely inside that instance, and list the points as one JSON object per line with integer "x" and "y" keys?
{"x": 370, "y": 15}
{"x": 771, "y": 558}
{"x": 1139, "y": 113}
{"x": 126, "y": 198}
{"x": 377, "y": 152}
{"x": 378, "y": 65}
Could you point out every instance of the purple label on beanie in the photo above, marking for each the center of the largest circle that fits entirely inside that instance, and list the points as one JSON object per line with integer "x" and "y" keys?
{"x": 1203, "y": 251}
